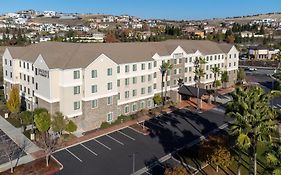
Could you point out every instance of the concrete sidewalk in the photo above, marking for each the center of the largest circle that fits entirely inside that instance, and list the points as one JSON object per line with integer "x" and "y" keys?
{"x": 19, "y": 138}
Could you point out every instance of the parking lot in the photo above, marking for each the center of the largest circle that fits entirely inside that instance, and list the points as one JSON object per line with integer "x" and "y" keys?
{"x": 8, "y": 148}
{"x": 126, "y": 151}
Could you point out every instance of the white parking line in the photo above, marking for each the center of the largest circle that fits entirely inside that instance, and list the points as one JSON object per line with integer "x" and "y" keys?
{"x": 115, "y": 140}
{"x": 73, "y": 155}
{"x": 279, "y": 105}
{"x": 102, "y": 144}
{"x": 88, "y": 149}
{"x": 274, "y": 107}
{"x": 126, "y": 135}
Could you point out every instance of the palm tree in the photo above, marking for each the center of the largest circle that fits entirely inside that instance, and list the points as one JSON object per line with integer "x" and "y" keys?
{"x": 165, "y": 67}
{"x": 224, "y": 78}
{"x": 273, "y": 157}
{"x": 199, "y": 73}
{"x": 216, "y": 71}
{"x": 254, "y": 119}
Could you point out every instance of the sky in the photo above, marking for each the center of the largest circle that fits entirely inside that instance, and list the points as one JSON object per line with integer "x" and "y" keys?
{"x": 147, "y": 9}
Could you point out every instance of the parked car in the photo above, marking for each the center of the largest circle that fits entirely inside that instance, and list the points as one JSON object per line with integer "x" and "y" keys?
{"x": 250, "y": 69}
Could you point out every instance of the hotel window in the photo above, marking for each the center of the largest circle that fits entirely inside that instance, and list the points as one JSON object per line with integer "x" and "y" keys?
{"x": 186, "y": 60}
{"x": 229, "y": 55}
{"x": 142, "y": 105}
{"x": 210, "y": 76}
{"x": 215, "y": 57}
{"x": 134, "y": 92}
{"x": 27, "y": 78}
{"x": 190, "y": 59}
{"x": 149, "y": 78}
{"x": 142, "y": 91}
{"x": 142, "y": 78}
{"x": 32, "y": 67}
{"x": 109, "y": 100}
{"x": 76, "y": 90}
{"x": 118, "y": 69}
{"x": 185, "y": 69}
{"x": 175, "y": 71}
{"x": 155, "y": 63}
{"x": 168, "y": 83}
{"x": 222, "y": 56}
{"x": 127, "y": 94}
{"x": 109, "y": 117}
{"x": 109, "y": 86}
{"x": 175, "y": 82}
{"x": 185, "y": 79}
{"x": 20, "y": 75}
{"x": 149, "y": 90}
{"x": 94, "y": 73}
{"x": 21, "y": 87}
{"x": 180, "y": 60}
{"x": 76, "y": 105}
{"x": 134, "y": 67}
{"x": 6, "y": 73}
{"x": 211, "y": 58}
{"x": 24, "y": 77}
{"x": 190, "y": 69}
{"x": 94, "y": 103}
{"x": 94, "y": 89}
{"x": 10, "y": 62}
{"x": 126, "y": 68}
{"x": 207, "y": 58}
{"x": 127, "y": 81}
{"x": 76, "y": 74}
{"x": 190, "y": 79}
{"x": 235, "y": 55}
{"x": 24, "y": 65}
{"x": 229, "y": 65}
{"x": 109, "y": 71}
{"x": 118, "y": 96}
{"x": 155, "y": 75}
{"x": 28, "y": 91}
{"x": 219, "y": 57}
{"x": 149, "y": 103}
{"x": 149, "y": 65}
{"x": 142, "y": 66}
{"x": 179, "y": 71}
{"x": 134, "y": 107}
{"x": 36, "y": 86}
{"x": 20, "y": 63}
{"x": 222, "y": 65}
{"x": 118, "y": 83}
{"x": 11, "y": 74}
{"x": 126, "y": 109}
{"x": 154, "y": 86}
{"x": 27, "y": 65}
{"x": 134, "y": 80}
{"x": 5, "y": 61}
{"x": 234, "y": 64}
{"x": 32, "y": 80}
{"x": 24, "y": 89}
{"x": 207, "y": 67}
{"x": 207, "y": 76}
{"x": 175, "y": 61}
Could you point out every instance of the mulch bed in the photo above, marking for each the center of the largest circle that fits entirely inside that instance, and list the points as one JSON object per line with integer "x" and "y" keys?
{"x": 36, "y": 167}
{"x": 141, "y": 129}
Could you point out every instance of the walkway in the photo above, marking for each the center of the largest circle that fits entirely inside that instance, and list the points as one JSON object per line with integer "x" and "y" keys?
{"x": 19, "y": 138}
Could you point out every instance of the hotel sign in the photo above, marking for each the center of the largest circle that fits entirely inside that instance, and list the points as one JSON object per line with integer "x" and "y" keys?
{"x": 43, "y": 73}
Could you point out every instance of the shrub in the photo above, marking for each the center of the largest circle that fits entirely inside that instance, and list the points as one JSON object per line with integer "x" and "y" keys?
{"x": 70, "y": 127}
{"x": 105, "y": 125}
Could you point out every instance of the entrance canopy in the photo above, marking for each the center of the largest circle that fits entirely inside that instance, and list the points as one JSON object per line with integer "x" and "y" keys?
{"x": 191, "y": 91}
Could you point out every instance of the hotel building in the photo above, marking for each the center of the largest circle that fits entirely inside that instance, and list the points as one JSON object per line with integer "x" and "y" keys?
{"x": 93, "y": 83}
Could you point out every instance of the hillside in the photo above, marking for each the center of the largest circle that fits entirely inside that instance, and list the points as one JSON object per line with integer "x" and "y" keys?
{"x": 246, "y": 19}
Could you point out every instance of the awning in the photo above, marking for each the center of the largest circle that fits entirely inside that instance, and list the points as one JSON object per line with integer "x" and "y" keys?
{"x": 191, "y": 91}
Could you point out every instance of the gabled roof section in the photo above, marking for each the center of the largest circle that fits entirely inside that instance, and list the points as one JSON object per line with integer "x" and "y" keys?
{"x": 80, "y": 55}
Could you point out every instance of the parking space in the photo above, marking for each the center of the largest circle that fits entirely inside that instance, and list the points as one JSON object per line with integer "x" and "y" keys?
{"x": 126, "y": 151}
{"x": 8, "y": 148}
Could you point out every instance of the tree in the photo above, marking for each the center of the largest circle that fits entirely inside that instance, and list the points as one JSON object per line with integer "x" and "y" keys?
{"x": 216, "y": 71}
{"x": 254, "y": 119}
{"x": 224, "y": 78}
{"x": 241, "y": 75}
{"x": 199, "y": 73}
{"x": 26, "y": 118}
{"x": 13, "y": 103}
{"x": 157, "y": 100}
{"x": 273, "y": 157}
{"x": 177, "y": 170}
{"x": 165, "y": 68}
{"x": 58, "y": 123}
{"x": 220, "y": 157}
{"x": 70, "y": 127}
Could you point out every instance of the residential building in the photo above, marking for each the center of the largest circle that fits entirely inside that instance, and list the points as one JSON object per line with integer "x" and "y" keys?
{"x": 95, "y": 83}
{"x": 261, "y": 52}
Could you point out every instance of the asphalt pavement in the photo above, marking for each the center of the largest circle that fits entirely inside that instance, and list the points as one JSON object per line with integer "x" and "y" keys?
{"x": 126, "y": 151}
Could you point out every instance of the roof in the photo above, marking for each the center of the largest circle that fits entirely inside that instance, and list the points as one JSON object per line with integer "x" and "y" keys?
{"x": 191, "y": 91}
{"x": 76, "y": 55}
